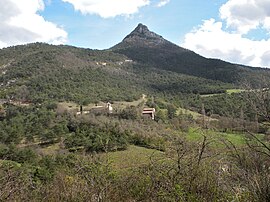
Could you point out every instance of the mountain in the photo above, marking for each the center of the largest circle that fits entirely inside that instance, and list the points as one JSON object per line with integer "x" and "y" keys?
{"x": 143, "y": 62}
{"x": 153, "y": 50}
{"x": 141, "y": 36}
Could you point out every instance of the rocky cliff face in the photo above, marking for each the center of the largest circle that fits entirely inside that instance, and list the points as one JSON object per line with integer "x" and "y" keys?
{"x": 142, "y": 34}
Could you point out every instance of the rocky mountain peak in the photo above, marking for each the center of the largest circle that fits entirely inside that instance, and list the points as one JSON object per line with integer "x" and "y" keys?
{"x": 142, "y": 29}
{"x": 141, "y": 32}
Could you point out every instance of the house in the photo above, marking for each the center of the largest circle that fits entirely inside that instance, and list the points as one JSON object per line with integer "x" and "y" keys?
{"x": 149, "y": 112}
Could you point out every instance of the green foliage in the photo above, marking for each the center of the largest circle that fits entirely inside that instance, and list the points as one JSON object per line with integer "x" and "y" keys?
{"x": 148, "y": 142}
{"x": 28, "y": 123}
{"x": 18, "y": 155}
{"x": 251, "y": 104}
{"x": 161, "y": 115}
{"x": 97, "y": 139}
{"x": 129, "y": 113}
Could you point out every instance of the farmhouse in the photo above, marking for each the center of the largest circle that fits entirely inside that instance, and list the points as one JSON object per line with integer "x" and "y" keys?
{"x": 149, "y": 112}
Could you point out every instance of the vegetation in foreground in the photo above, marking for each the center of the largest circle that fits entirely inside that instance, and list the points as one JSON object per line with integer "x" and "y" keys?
{"x": 49, "y": 154}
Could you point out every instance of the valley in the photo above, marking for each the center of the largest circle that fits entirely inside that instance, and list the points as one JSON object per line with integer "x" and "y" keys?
{"x": 72, "y": 126}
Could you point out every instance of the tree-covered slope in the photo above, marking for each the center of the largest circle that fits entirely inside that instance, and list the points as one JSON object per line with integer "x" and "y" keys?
{"x": 40, "y": 71}
{"x": 149, "y": 48}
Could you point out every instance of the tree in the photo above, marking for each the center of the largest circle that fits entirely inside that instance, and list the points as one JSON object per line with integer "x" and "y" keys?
{"x": 171, "y": 111}
{"x": 22, "y": 93}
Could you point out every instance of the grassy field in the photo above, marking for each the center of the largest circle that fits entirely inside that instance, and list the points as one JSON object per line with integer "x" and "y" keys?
{"x": 194, "y": 115}
{"x": 74, "y": 106}
{"x": 71, "y": 106}
{"x": 230, "y": 91}
{"x": 209, "y": 95}
{"x": 122, "y": 105}
{"x": 238, "y": 139}
{"x": 133, "y": 157}
{"x": 196, "y": 134}
{"x": 51, "y": 149}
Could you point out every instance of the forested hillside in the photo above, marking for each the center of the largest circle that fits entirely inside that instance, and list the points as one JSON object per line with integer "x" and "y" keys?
{"x": 143, "y": 63}
{"x": 40, "y": 72}
{"x": 149, "y": 48}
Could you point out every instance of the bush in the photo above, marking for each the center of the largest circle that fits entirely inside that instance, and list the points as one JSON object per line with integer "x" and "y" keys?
{"x": 19, "y": 155}
{"x": 98, "y": 139}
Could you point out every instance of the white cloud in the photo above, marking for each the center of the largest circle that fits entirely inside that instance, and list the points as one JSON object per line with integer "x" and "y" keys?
{"x": 20, "y": 23}
{"x": 228, "y": 39}
{"x": 163, "y": 3}
{"x": 210, "y": 40}
{"x": 108, "y": 8}
{"x": 245, "y": 15}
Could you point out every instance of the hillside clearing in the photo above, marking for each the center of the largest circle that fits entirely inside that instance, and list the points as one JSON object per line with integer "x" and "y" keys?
{"x": 133, "y": 157}
{"x": 218, "y": 138}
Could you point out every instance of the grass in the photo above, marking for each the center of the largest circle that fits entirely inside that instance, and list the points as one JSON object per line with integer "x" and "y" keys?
{"x": 238, "y": 139}
{"x": 51, "y": 149}
{"x": 194, "y": 134}
{"x": 230, "y": 91}
{"x": 235, "y": 138}
{"x": 122, "y": 105}
{"x": 43, "y": 147}
{"x": 69, "y": 105}
{"x": 116, "y": 105}
{"x": 195, "y": 115}
{"x": 210, "y": 95}
{"x": 133, "y": 157}
{"x": 75, "y": 106}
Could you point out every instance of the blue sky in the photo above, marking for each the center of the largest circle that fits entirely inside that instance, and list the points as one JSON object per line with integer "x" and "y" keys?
{"x": 232, "y": 30}
{"x": 172, "y": 21}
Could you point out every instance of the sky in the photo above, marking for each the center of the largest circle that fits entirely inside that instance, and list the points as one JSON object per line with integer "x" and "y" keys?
{"x": 237, "y": 31}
